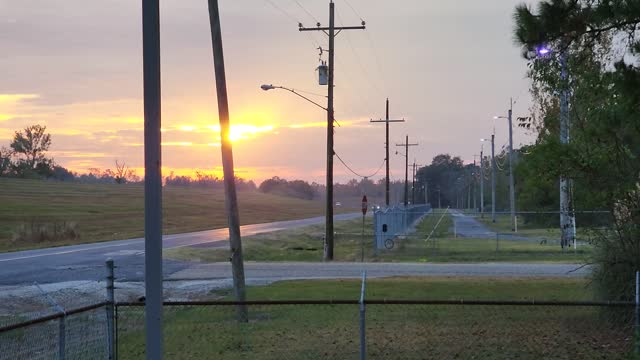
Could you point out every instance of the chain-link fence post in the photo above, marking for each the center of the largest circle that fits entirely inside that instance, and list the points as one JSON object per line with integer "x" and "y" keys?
{"x": 363, "y": 341}
{"x": 110, "y": 309}
{"x": 638, "y": 313}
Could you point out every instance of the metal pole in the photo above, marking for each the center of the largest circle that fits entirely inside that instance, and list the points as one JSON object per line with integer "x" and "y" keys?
{"x": 637, "y": 312}
{"x": 512, "y": 191}
{"x": 328, "y": 246}
{"x": 152, "y": 179}
{"x": 413, "y": 184}
{"x": 362, "y": 241}
{"x": 469, "y": 196}
{"x": 566, "y": 219}
{"x": 387, "y": 156}
{"x": 482, "y": 183}
{"x": 473, "y": 184}
{"x": 406, "y": 173}
{"x": 426, "y": 192}
{"x": 110, "y": 310}
{"x": 493, "y": 178}
{"x": 231, "y": 199}
{"x": 363, "y": 341}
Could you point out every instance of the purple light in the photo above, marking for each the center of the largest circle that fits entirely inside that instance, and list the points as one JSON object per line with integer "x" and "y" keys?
{"x": 543, "y": 50}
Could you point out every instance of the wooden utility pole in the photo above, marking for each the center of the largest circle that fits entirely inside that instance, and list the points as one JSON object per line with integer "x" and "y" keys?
{"x": 406, "y": 169}
{"x": 235, "y": 242}
{"x": 332, "y": 31}
{"x": 152, "y": 179}
{"x": 386, "y": 143}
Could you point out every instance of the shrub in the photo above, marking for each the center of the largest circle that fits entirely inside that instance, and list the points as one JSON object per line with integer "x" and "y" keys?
{"x": 37, "y": 232}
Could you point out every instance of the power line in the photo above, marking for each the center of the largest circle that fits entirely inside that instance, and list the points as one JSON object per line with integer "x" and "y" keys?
{"x": 282, "y": 11}
{"x": 306, "y": 11}
{"x": 352, "y": 9}
{"x": 288, "y": 15}
{"x": 359, "y": 61}
{"x": 355, "y": 173}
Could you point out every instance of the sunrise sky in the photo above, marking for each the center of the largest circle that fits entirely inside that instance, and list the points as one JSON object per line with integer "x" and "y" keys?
{"x": 76, "y": 66}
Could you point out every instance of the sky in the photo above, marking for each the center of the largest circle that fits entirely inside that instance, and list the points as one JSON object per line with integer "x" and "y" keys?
{"x": 447, "y": 68}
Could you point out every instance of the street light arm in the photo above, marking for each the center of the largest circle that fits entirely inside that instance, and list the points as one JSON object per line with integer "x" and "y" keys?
{"x": 300, "y": 95}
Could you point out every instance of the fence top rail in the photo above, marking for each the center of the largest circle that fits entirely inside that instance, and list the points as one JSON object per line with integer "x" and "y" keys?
{"x": 54, "y": 316}
{"x": 393, "y": 302}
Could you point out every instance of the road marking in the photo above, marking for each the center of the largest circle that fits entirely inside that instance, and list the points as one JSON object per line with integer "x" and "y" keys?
{"x": 63, "y": 252}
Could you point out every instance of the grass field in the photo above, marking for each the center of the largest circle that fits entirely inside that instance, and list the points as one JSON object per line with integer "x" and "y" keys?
{"x": 305, "y": 244}
{"x": 110, "y": 211}
{"x": 392, "y": 331}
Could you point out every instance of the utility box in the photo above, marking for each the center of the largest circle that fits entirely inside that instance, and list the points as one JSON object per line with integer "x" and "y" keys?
{"x": 323, "y": 74}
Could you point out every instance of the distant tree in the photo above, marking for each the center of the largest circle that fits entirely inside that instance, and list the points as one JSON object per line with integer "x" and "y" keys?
{"x": 30, "y": 146}
{"x": 62, "y": 174}
{"x": 122, "y": 173}
{"x": 5, "y": 161}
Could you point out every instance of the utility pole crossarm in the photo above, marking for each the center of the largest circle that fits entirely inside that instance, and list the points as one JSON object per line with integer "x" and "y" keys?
{"x": 407, "y": 145}
{"x": 338, "y": 29}
{"x": 385, "y": 121}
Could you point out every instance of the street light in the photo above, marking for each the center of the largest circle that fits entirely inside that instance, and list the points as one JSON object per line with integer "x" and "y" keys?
{"x": 512, "y": 193}
{"x": 567, "y": 216}
{"x": 493, "y": 177}
{"x": 328, "y": 236}
{"x": 482, "y": 177}
{"x": 267, "y": 87}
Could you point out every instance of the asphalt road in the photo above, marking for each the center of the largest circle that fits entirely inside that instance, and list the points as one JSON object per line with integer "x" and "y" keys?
{"x": 468, "y": 226}
{"x": 86, "y": 262}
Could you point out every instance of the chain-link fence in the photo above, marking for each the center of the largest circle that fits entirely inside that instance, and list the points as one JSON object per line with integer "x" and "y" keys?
{"x": 394, "y": 222}
{"x": 393, "y": 330}
{"x": 77, "y": 334}
{"x": 334, "y": 329}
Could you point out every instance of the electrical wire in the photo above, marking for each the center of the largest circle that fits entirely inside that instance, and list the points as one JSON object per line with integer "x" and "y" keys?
{"x": 355, "y": 173}
{"x": 288, "y": 15}
{"x": 353, "y": 9}
{"x": 306, "y": 11}
{"x": 282, "y": 11}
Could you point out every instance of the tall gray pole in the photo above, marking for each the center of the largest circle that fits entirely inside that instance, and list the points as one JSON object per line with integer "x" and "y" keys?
{"x": 152, "y": 179}
{"x": 567, "y": 220}
{"x": 406, "y": 173}
{"x": 231, "y": 199}
{"x": 473, "y": 182}
{"x": 469, "y": 195}
{"x": 482, "y": 183}
{"x": 386, "y": 182}
{"x": 512, "y": 190}
{"x": 426, "y": 192}
{"x": 493, "y": 177}
{"x": 413, "y": 184}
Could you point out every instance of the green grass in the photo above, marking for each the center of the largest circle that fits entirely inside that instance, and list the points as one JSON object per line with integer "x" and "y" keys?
{"x": 528, "y": 229}
{"x": 393, "y": 331}
{"x": 305, "y": 244}
{"x": 110, "y": 211}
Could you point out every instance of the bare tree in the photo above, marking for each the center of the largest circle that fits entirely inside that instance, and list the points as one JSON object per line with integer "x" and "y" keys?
{"x": 122, "y": 172}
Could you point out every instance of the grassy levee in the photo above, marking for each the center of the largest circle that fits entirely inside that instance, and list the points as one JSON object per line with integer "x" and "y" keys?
{"x": 109, "y": 211}
{"x": 392, "y": 331}
{"x": 305, "y": 244}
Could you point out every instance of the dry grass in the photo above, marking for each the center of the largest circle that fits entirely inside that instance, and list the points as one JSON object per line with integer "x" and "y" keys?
{"x": 110, "y": 211}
